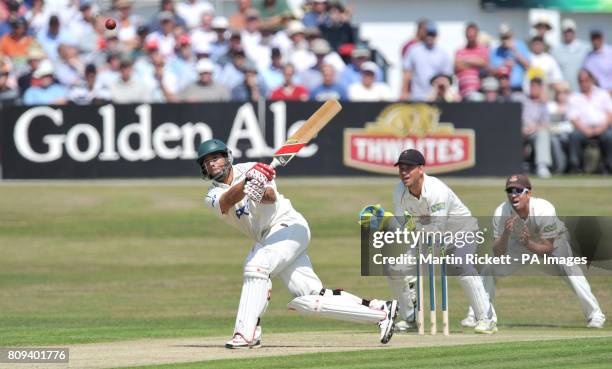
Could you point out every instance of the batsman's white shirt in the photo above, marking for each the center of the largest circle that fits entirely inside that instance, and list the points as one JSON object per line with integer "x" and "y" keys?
{"x": 253, "y": 219}
{"x": 436, "y": 200}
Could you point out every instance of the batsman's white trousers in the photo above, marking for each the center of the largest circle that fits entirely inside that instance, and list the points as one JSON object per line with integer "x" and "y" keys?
{"x": 283, "y": 254}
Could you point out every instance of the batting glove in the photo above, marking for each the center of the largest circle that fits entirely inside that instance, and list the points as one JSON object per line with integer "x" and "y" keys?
{"x": 261, "y": 172}
{"x": 255, "y": 189}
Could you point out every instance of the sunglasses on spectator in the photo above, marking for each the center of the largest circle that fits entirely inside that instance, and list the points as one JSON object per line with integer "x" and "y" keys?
{"x": 516, "y": 191}
{"x": 4, "y": 74}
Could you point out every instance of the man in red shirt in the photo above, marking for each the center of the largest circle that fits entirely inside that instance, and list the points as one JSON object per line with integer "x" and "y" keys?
{"x": 469, "y": 61}
{"x": 289, "y": 90}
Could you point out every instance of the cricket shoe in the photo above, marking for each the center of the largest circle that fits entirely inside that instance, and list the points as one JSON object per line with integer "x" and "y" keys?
{"x": 469, "y": 321}
{"x": 597, "y": 321}
{"x": 486, "y": 326}
{"x": 238, "y": 341}
{"x": 386, "y": 325}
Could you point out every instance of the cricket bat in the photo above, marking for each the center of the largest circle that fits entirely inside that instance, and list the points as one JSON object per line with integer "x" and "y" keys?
{"x": 311, "y": 127}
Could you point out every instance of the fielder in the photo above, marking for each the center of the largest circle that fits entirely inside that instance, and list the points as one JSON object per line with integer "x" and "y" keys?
{"x": 245, "y": 196}
{"x": 433, "y": 202}
{"x": 529, "y": 225}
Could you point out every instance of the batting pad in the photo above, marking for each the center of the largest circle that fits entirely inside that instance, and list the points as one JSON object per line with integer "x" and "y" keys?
{"x": 400, "y": 286}
{"x": 253, "y": 303}
{"x": 336, "y": 307}
{"x": 477, "y": 296}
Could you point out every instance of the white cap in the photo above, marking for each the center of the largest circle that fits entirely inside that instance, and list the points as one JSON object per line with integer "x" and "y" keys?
{"x": 320, "y": 47}
{"x": 369, "y": 66}
{"x": 219, "y": 22}
{"x": 205, "y": 65}
{"x": 490, "y": 84}
{"x": 45, "y": 68}
{"x": 294, "y": 27}
{"x": 568, "y": 24}
{"x": 505, "y": 30}
{"x": 543, "y": 21}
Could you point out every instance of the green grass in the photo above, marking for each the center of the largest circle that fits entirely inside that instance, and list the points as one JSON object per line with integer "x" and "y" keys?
{"x": 558, "y": 354}
{"x": 106, "y": 261}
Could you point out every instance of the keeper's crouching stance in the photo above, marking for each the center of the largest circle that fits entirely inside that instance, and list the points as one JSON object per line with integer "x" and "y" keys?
{"x": 245, "y": 196}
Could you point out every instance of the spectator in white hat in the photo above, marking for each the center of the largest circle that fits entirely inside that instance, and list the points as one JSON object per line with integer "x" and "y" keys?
{"x": 299, "y": 53}
{"x": 251, "y": 35}
{"x": 490, "y": 89}
{"x": 35, "y": 55}
{"x": 368, "y": 89}
{"x": 127, "y": 23}
{"x": 220, "y": 45}
{"x": 542, "y": 27}
{"x": 46, "y": 91}
{"x": 352, "y": 73}
{"x": 204, "y": 34}
{"x": 205, "y": 89}
{"x": 570, "y": 53}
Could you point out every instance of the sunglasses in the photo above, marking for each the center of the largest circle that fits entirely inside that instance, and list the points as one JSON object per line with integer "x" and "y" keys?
{"x": 516, "y": 191}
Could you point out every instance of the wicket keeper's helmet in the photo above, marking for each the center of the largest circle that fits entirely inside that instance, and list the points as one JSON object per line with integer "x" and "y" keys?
{"x": 210, "y": 147}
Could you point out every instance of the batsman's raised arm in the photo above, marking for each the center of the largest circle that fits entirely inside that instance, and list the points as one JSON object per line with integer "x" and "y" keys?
{"x": 231, "y": 197}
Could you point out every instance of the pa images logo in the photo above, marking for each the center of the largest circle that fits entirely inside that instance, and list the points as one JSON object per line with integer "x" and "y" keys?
{"x": 376, "y": 147}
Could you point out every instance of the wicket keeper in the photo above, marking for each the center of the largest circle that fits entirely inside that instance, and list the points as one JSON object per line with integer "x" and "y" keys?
{"x": 431, "y": 201}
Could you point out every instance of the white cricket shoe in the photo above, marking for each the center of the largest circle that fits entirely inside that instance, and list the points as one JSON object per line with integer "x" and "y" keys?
{"x": 486, "y": 326}
{"x": 386, "y": 325}
{"x": 469, "y": 321}
{"x": 238, "y": 341}
{"x": 597, "y": 321}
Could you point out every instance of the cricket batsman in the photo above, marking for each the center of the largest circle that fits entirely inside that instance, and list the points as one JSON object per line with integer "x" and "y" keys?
{"x": 525, "y": 224}
{"x": 245, "y": 196}
{"x": 432, "y": 202}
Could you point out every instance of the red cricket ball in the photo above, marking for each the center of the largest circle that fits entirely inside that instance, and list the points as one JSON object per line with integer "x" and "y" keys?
{"x": 110, "y": 23}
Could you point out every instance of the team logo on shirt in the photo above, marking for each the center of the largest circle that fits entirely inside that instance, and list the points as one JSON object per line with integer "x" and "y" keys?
{"x": 244, "y": 210}
{"x": 376, "y": 147}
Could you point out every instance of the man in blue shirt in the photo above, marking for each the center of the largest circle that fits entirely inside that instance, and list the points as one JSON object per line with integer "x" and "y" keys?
{"x": 329, "y": 89}
{"x": 512, "y": 54}
{"x": 46, "y": 91}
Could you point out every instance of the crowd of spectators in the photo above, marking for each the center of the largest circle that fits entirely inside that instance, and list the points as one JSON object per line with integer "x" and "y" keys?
{"x": 59, "y": 51}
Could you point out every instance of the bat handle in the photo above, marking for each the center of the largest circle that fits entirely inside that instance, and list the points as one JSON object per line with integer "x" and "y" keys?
{"x": 275, "y": 163}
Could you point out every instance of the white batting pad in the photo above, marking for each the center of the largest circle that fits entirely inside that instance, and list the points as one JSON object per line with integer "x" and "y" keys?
{"x": 336, "y": 307}
{"x": 477, "y": 296}
{"x": 253, "y": 303}
{"x": 401, "y": 291}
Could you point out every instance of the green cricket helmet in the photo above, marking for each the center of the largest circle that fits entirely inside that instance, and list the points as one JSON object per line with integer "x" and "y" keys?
{"x": 210, "y": 147}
